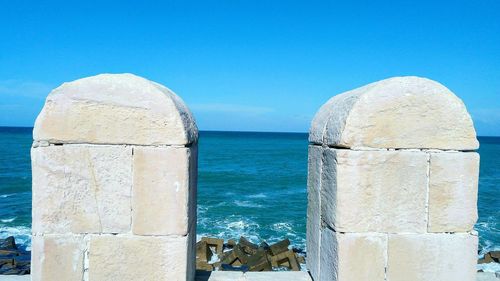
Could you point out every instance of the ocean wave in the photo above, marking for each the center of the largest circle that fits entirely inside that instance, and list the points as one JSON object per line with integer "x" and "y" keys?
{"x": 231, "y": 227}
{"x": 247, "y": 204}
{"x": 490, "y": 225}
{"x": 487, "y": 246}
{"x": 22, "y": 234}
{"x": 8, "y": 220}
{"x": 488, "y": 229}
{"x": 280, "y": 226}
{"x": 489, "y": 267}
{"x": 15, "y": 194}
{"x": 258, "y": 195}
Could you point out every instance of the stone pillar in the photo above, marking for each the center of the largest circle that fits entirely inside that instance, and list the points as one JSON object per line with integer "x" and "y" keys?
{"x": 114, "y": 163}
{"x": 392, "y": 185}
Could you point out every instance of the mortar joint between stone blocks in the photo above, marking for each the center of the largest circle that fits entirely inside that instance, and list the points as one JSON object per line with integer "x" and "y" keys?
{"x": 131, "y": 199}
{"x": 44, "y": 143}
{"x": 427, "y": 191}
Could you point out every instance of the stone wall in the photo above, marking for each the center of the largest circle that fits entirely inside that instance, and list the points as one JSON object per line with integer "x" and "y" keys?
{"x": 392, "y": 185}
{"x": 114, "y": 163}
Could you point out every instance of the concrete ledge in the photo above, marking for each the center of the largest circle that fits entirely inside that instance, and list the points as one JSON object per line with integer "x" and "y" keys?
{"x": 15, "y": 277}
{"x": 488, "y": 276}
{"x": 252, "y": 276}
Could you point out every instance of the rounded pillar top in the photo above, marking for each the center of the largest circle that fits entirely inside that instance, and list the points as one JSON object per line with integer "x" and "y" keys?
{"x": 399, "y": 112}
{"x": 115, "y": 109}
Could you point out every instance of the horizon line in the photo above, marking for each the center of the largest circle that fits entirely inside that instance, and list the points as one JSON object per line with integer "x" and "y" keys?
{"x": 233, "y": 131}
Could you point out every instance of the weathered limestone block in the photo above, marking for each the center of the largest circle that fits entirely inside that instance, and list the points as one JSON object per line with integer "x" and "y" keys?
{"x": 399, "y": 112}
{"x": 436, "y": 257}
{"x": 374, "y": 191}
{"x": 114, "y": 155}
{"x": 313, "y": 210}
{"x": 453, "y": 191}
{"x": 139, "y": 258}
{"x": 81, "y": 189}
{"x": 57, "y": 257}
{"x": 161, "y": 192}
{"x": 191, "y": 254}
{"x": 352, "y": 256}
{"x": 193, "y": 194}
{"x": 115, "y": 109}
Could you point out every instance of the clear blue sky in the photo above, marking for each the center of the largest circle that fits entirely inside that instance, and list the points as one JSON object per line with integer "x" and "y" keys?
{"x": 251, "y": 65}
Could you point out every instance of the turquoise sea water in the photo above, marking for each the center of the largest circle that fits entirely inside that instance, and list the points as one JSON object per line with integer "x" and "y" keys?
{"x": 251, "y": 184}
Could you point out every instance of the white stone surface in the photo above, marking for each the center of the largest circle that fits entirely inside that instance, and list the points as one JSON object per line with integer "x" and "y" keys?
{"x": 487, "y": 276}
{"x": 161, "y": 190}
{"x": 375, "y": 191}
{"x": 57, "y": 257}
{"x": 453, "y": 185}
{"x": 436, "y": 257}
{"x": 352, "y": 256}
{"x": 227, "y": 276}
{"x": 481, "y": 276}
{"x": 81, "y": 189}
{"x": 399, "y": 112}
{"x": 115, "y": 109}
{"x": 329, "y": 183}
{"x": 314, "y": 209}
{"x": 277, "y": 276}
{"x": 119, "y": 258}
{"x": 15, "y": 278}
{"x": 253, "y": 276}
{"x": 221, "y": 276}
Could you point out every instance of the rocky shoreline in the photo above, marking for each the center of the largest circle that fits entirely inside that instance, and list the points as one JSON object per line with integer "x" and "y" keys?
{"x": 13, "y": 260}
{"x": 493, "y": 256}
{"x": 213, "y": 254}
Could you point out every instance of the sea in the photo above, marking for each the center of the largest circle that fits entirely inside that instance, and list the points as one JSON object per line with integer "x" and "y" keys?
{"x": 250, "y": 184}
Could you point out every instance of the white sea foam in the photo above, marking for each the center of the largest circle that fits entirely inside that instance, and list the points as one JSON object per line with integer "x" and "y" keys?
{"x": 8, "y": 220}
{"x": 489, "y": 267}
{"x": 487, "y": 246}
{"x": 247, "y": 204}
{"x": 214, "y": 258}
{"x": 231, "y": 227}
{"x": 280, "y": 226}
{"x": 21, "y": 233}
{"x": 259, "y": 195}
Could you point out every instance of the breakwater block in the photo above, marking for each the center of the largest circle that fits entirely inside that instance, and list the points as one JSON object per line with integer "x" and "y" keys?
{"x": 493, "y": 256}
{"x": 203, "y": 252}
{"x": 247, "y": 246}
{"x": 246, "y": 256}
{"x": 280, "y": 247}
{"x": 13, "y": 261}
{"x": 216, "y": 243}
{"x": 287, "y": 259}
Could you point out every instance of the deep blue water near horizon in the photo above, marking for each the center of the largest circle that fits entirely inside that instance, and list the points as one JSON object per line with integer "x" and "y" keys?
{"x": 251, "y": 184}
